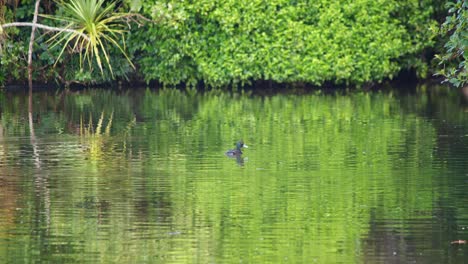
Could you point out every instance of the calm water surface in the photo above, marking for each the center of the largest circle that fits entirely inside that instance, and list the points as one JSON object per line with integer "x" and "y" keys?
{"x": 140, "y": 176}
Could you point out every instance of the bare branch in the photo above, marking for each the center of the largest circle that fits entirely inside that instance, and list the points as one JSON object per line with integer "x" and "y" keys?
{"x": 49, "y": 28}
{"x": 136, "y": 18}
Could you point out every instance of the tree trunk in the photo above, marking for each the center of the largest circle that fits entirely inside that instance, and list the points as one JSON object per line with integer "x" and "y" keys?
{"x": 31, "y": 44}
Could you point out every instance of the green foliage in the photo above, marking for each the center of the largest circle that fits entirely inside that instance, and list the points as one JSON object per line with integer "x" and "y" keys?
{"x": 101, "y": 25}
{"x": 14, "y": 45}
{"x": 59, "y": 60}
{"x": 238, "y": 41}
{"x": 453, "y": 60}
{"x": 12, "y": 56}
{"x": 233, "y": 42}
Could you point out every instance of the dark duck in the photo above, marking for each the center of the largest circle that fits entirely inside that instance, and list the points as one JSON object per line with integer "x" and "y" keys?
{"x": 237, "y": 151}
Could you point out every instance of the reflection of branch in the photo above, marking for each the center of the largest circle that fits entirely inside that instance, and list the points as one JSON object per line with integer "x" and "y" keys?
{"x": 32, "y": 135}
{"x": 41, "y": 26}
{"x": 40, "y": 178}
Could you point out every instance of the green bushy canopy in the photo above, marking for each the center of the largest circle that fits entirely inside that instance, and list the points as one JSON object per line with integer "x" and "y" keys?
{"x": 224, "y": 42}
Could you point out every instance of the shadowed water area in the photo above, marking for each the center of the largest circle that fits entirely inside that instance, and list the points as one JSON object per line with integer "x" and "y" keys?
{"x": 140, "y": 176}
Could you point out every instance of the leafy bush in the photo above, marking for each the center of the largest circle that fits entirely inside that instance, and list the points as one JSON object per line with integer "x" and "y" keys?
{"x": 226, "y": 42}
{"x": 454, "y": 59}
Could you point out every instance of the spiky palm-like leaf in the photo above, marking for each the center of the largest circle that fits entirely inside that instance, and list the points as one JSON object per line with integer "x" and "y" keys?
{"x": 99, "y": 26}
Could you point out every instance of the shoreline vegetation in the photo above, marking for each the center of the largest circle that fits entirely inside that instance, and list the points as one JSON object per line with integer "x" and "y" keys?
{"x": 402, "y": 83}
{"x": 237, "y": 43}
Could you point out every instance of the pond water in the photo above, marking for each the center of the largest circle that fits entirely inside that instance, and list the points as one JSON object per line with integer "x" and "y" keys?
{"x": 140, "y": 176}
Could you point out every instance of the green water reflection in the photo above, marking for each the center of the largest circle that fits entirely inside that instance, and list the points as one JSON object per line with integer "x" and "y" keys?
{"x": 139, "y": 176}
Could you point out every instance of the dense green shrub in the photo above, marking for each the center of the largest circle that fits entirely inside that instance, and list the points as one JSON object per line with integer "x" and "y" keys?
{"x": 222, "y": 42}
{"x": 453, "y": 60}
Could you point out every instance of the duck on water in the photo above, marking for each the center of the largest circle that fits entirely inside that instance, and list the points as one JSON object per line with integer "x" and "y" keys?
{"x": 237, "y": 151}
